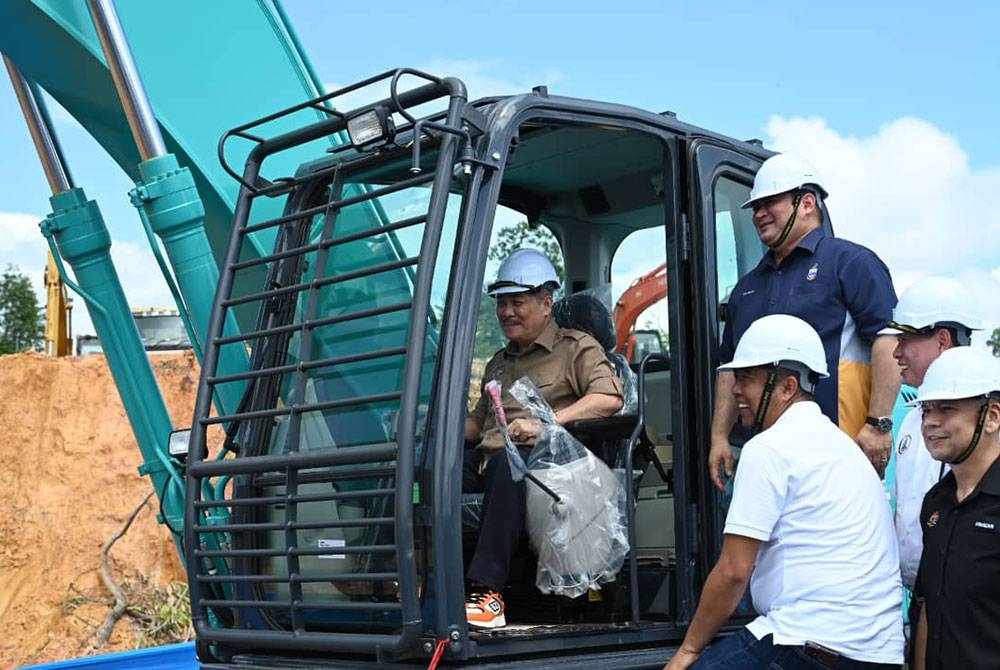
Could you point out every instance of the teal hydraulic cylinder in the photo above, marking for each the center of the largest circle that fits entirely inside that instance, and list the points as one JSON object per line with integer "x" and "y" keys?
{"x": 82, "y": 239}
{"x": 169, "y": 201}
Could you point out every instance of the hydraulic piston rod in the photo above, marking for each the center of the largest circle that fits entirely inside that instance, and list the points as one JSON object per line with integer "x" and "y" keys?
{"x": 36, "y": 116}
{"x": 127, "y": 81}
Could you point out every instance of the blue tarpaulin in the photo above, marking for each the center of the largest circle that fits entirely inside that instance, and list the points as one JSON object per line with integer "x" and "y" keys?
{"x": 167, "y": 657}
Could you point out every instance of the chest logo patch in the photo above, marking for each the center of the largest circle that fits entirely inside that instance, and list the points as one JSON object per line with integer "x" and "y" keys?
{"x": 904, "y": 444}
{"x": 813, "y": 271}
{"x": 933, "y": 519}
{"x": 987, "y": 525}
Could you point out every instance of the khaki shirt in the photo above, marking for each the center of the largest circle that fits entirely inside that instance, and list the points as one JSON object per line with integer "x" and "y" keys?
{"x": 564, "y": 364}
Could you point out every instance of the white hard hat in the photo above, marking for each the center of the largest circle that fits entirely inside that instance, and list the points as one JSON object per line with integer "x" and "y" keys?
{"x": 778, "y": 339}
{"x": 933, "y": 302}
{"x": 524, "y": 270}
{"x": 783, "y": 173}
{"x": 960, "y": 372}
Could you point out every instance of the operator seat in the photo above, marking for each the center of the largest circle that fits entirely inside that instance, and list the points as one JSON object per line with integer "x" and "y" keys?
{"x": 583, "y": 311}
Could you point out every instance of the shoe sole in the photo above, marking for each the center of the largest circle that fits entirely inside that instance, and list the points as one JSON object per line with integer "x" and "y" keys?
{"x": 497, "y": 622}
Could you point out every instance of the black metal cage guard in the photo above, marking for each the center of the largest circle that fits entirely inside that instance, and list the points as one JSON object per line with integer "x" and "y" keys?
{"x": 223, "y": 530}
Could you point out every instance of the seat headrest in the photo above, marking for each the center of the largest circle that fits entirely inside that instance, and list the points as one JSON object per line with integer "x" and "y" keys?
{"x": 582, "y": 311}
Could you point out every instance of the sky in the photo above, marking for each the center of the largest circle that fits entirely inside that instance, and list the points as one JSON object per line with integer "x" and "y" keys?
{"x": 895, "y": 103}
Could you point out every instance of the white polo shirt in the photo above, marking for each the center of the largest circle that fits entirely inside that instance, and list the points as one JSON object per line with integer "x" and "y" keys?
{"x": 827, "y": 570}
{"x": 916, "y": 473}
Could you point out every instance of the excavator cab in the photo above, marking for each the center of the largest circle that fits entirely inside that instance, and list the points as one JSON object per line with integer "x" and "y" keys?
{"x": 326, "y": 529}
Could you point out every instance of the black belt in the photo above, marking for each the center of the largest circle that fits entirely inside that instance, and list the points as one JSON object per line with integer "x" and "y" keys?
{"x": 823, "y": 655}
{"x": 829, "y": 658}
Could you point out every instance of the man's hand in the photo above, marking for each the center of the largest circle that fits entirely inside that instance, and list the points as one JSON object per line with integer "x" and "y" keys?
{"x": 473, "y": 430}
{"x": 684, "y": 658}
{"x": 720, "y": 454}
{"x": 876, "y": 446}
{"x": 720, "y": 460}
{"x": 524, "y": 431}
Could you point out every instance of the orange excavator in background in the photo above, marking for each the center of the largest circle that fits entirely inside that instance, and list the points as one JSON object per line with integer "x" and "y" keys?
{"x": 645, "y": 291}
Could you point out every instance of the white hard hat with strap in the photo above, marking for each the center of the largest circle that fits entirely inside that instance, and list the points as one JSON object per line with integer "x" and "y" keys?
{"x": 779, "y": 341}
{"x": 786, "y": 173}
{"x": 524, "y": 270}
{"x": 935, "y": 302}
{"x": 962, "y": 373}
{"x": 783, "y": 173}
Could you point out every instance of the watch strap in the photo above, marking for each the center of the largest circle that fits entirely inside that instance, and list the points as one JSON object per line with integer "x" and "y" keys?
{"x": 882, "y": 423}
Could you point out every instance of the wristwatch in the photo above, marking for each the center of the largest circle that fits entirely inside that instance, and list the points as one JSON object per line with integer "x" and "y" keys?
{"x": 883, "y": 424}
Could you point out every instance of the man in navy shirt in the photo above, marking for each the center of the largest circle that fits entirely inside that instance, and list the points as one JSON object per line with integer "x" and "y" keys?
{"x": 842, "y": 289}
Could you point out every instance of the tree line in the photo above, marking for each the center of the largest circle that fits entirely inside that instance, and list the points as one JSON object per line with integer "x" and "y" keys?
{"x": 22, "y": 321}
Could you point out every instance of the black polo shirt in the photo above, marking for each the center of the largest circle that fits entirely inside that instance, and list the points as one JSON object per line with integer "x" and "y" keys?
{"x": 959, "y": 575}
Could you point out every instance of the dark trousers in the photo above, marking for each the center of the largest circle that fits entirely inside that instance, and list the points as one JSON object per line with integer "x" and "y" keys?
{"x": 742, "y": 651}
{"x": 502, "y": 516}
{"x": 913, "y": 615}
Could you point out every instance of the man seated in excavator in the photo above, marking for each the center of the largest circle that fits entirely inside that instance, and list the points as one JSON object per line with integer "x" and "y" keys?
{"x": 572, "y": 372}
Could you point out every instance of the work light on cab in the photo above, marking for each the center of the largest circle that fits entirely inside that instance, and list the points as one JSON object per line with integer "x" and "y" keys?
{"x": 374, "y": 126}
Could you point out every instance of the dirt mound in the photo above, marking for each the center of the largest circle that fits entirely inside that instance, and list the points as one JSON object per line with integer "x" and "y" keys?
{"x": 68, "y": 473}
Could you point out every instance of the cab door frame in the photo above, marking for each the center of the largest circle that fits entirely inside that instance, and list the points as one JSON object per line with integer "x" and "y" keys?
{"x": 710, "y": 159}
{"x": 472, "y": 242}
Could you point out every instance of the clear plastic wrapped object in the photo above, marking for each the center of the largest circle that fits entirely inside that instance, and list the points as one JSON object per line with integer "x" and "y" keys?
{"x": 580, "y": 540}
{"x": 630, "y": 383}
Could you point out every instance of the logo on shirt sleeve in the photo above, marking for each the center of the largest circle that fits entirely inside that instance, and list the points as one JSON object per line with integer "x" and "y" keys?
{"x": 813, "y": 271}
{"x": 904, "y": 444}
{"x": 933, "y": 519}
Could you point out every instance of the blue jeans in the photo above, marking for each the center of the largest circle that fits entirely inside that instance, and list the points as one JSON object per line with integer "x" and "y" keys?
{"x": 742, "y": 651}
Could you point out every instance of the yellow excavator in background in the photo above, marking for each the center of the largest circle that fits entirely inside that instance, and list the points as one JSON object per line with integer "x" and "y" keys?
{"x": 58, "y": 313}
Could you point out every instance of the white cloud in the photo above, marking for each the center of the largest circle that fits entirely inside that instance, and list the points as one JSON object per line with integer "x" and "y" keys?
{"x": 908, "y": 192}
{"x": 482, "y": 77}
{"x": 22, "y": 246}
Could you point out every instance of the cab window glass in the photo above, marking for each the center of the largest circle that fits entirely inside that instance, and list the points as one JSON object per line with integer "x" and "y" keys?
{"x": 639, "y": 286}
{"x": 737, "y": 247}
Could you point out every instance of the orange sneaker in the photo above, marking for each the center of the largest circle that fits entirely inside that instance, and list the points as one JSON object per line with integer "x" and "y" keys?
{"x": 485, "y": 609}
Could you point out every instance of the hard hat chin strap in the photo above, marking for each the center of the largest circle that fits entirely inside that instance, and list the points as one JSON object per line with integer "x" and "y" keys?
{"x": 765, "y": 400}
{"x": 791, "y": 219}
{"x": 975, "y": 436}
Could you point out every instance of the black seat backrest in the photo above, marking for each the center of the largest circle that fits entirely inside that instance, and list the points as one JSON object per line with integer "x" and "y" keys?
{"x": 583, "y": 311}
